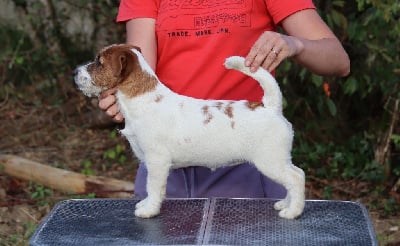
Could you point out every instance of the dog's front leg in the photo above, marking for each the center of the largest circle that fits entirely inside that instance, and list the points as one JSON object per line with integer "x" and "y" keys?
{"x": 157, "y": 174}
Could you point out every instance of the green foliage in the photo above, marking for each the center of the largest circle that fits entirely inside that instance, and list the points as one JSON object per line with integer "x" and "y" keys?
{"x": 390, "y": 206}
{"x": 40, "y": 193}
{"x": 338, "y": 120}
{"x": 369, "y": 32}
{"x": 85, "y": 196}
{"x": 352, "y": 160}
{"x": 396, "y": 140}
{"x": 30, "y": 228}
{"x": 20, "y": 238}
{"x": 87, "y": 168}
{"x": 115, "y": 154}
{"x": 327, "y": 192}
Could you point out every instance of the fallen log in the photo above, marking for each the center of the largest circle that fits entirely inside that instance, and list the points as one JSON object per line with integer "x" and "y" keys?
{"x": 64, "y": 180}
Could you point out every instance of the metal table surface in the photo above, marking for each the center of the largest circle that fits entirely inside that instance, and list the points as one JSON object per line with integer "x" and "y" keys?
{"x": 215, "y": 221}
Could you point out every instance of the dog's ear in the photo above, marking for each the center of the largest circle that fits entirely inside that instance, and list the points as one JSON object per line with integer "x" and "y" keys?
{"x": 129, "y": 46}
{"x": 123, "y": 63}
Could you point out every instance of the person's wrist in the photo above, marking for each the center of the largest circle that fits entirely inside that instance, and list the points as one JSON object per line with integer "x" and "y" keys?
{"x": 298, "y": 46}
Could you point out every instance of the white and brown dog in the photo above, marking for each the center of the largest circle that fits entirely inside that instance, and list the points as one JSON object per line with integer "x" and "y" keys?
{"x": 167, "y": 130}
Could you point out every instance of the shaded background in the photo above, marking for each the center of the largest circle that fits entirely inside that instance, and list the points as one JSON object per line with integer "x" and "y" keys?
{"x": 347, "y": 129}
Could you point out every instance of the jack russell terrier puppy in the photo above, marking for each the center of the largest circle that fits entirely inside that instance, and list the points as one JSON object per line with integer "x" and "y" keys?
{"x": 167, "y": 130}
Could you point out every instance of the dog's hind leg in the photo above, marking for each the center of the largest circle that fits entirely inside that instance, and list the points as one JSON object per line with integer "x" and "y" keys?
{"x": 292, "y": 178}
{"x": 157, "y": 174}
{"x": 284, "y": 203}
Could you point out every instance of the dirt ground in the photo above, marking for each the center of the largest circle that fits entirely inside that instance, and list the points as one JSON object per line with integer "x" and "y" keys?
{"x": 61, "y": 137}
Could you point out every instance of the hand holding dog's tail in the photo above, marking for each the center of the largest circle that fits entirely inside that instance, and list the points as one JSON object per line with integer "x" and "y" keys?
{"x": 272, "y": 94}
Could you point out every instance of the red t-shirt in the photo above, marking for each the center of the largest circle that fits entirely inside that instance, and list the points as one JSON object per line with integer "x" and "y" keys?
{"x": 195, "y": 37}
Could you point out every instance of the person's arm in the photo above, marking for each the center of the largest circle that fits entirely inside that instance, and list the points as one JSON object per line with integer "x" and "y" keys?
{"x": 310, "y": 42}
{"x": 141, "y": 33}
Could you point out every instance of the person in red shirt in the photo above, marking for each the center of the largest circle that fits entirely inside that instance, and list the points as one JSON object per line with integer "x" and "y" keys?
{"x": 186, "y": 42}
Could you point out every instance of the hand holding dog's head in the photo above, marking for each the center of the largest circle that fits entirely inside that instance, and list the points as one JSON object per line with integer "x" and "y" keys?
{"x": 115, "y": 66}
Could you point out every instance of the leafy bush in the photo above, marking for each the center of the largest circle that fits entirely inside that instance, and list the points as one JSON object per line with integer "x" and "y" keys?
{"x": 338, "y": 121}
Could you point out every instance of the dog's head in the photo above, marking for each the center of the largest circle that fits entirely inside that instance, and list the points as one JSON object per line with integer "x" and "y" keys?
{"x": 121, "y": 66}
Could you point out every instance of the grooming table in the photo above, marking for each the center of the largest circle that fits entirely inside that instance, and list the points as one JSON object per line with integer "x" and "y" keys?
{"x": 215, "y": 221}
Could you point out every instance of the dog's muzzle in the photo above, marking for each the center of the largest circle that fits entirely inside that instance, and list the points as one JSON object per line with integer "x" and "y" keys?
{"x": 85, "y": 83}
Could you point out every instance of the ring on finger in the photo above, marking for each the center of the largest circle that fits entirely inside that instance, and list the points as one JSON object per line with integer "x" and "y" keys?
{"x": 275, "y": 52}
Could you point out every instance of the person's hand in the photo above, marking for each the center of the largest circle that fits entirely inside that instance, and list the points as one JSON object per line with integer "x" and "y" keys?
{"x": 107, "y": 102}
{"x": 271, "y": 49}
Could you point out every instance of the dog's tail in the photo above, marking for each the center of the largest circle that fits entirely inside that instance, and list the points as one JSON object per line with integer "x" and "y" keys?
{"x": 272, "y": 94}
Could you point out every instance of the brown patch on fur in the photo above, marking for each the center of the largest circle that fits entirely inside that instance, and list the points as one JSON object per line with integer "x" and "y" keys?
{"x": 159, "y": 98}
{"x": 233, "y": 125}
{"x": 254, "y": 105}
{"x": 207, "y": 114}
{"x": 118, "y": 66}
{"x": 229, "y": 110}
{"x": 218, "y": 105}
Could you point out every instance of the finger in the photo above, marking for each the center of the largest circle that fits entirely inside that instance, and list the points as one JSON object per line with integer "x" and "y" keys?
{"x": 255, "y": 49}
{"x": 271, "y": 58}
{"x": 263, "y": 56}
{"x": 272, "y": 66}
{"x": 275, "y": 57}
{"x": 118, "y": 118}
{"x": 106, "y": 102}
{"x": 113, "y": 110}
{"x": 252, "y": 54}
{"x": 260, "y": 53}
{"x": 107, "y": 93}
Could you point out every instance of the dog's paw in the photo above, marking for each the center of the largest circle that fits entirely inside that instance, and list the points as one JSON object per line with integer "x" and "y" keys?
{"x": 141, "y": 203}
{"x": 234, "y": 62}
{"x": 147, "y": 211}
{"x": 288, "y": 213}
{"x": 282, "y": 204}
{"x": 290, "y": 208}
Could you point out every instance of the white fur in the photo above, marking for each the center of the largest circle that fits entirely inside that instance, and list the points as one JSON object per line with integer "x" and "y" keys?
{"x": 84, "y": 82}
{"x": 178, "y": 131}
